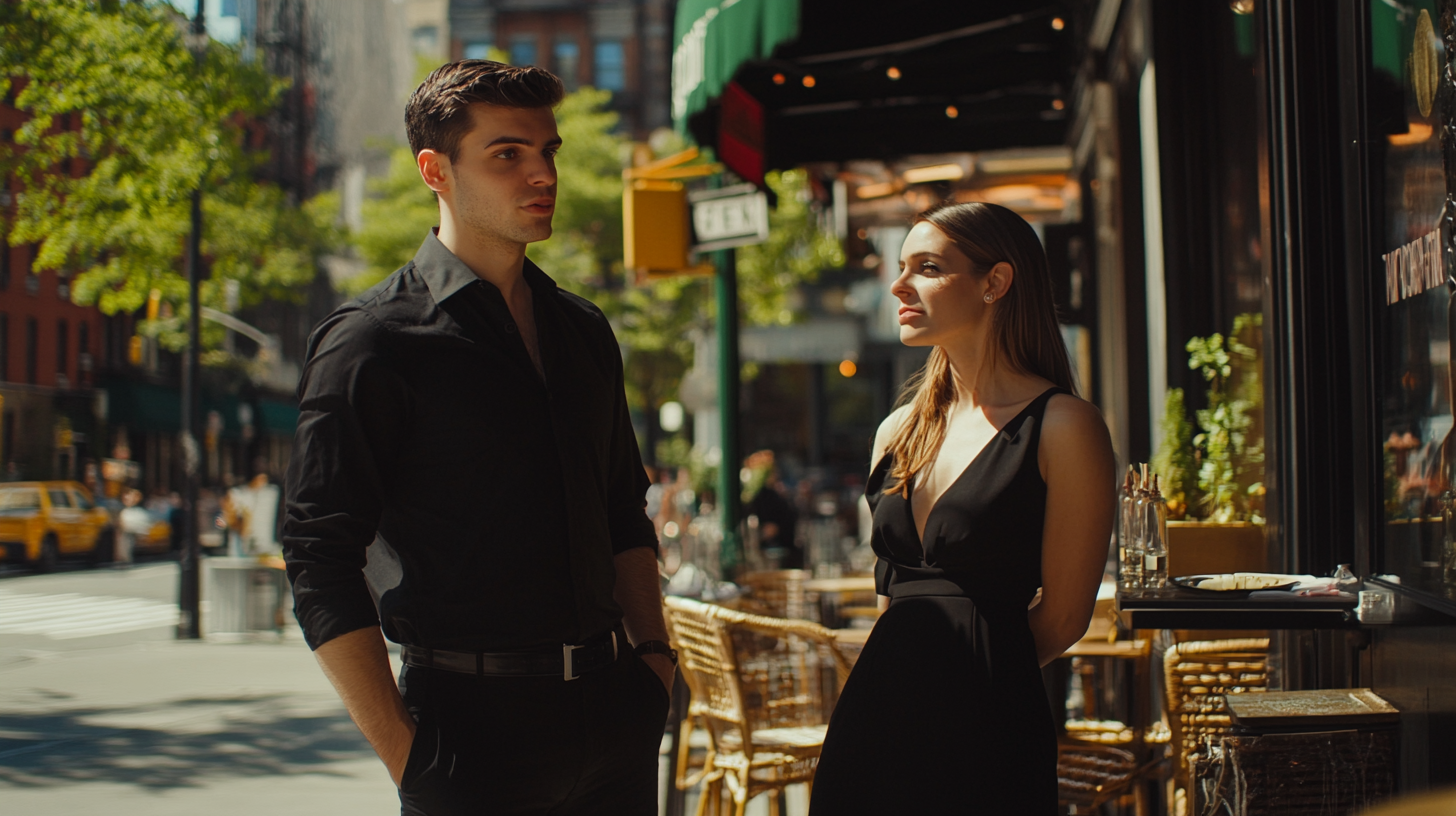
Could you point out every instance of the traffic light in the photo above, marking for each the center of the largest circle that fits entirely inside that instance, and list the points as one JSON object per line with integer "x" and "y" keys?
{"x": 656, "y": 233}
{"x": 655, "y": 225}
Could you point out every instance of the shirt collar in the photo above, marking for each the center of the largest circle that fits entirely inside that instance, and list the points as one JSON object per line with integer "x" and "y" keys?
{"x": 446, "y": 274}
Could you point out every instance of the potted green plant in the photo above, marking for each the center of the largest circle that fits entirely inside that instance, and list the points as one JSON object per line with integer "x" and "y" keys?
{"x": 1214, "y": 472}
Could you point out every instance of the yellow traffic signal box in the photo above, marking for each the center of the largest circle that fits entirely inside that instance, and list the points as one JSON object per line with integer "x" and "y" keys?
{"x": 655, "y": 225}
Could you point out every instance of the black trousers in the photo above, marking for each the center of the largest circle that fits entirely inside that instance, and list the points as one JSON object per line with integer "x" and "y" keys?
{"x": 534, "y": 745}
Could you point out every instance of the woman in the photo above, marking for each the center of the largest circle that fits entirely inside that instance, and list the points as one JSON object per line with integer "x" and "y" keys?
{"x": 1007, "y": 479}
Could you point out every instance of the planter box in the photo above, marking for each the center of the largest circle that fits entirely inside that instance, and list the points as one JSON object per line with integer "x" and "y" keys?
{"x": 1199, "y": 547}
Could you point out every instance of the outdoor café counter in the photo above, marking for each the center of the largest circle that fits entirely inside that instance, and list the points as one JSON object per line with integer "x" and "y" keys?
{"x": 1178, "y": 608}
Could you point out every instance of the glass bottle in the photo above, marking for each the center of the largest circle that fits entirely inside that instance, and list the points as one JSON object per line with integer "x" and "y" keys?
{"x": 1126, "y": 574}
{"x": 1155, "y": 539}
{"x": 1137, "y": 533}
{"x": 1345, "y": 580}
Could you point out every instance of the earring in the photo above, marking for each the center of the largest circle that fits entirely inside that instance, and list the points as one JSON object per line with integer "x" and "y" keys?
{"x": 990, "y": 297}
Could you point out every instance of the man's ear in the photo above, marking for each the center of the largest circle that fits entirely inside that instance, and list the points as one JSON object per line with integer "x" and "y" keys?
{"x": 434, "y": 169}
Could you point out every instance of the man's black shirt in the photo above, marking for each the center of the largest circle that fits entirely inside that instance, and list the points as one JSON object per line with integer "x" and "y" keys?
{"x": 425, "y": 423}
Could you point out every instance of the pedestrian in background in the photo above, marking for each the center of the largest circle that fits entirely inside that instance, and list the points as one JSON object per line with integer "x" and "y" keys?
{"x": 468, "y": 418}
{"x": 134, "y": 522}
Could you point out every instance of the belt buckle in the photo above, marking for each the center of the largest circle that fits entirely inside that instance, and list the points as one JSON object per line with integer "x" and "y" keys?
{"x": 567, "y": 650}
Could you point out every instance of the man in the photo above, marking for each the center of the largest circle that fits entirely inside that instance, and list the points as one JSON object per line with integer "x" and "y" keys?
{"x": 468, "y": 418}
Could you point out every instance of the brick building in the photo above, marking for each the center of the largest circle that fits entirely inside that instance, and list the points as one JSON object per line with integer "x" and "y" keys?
{"x": 622, "y": 46}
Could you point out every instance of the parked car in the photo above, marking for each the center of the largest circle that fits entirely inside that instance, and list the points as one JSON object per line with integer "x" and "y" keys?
{"x": 43, "y": 522}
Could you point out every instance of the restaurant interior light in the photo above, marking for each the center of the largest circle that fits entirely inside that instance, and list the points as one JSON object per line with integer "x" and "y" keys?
{"x": 935, "y": 172}
{"x": 1026, "y": 164}
{"x": 1418, "y": 132}
{"x": 951, "y": 111}
{"x": 808, "y": 80}
{"x": 1058, "y": 24}
{"x": 875, "y": 190}
{"x": 847, "y": 368}
{"x": 778, "y": 79}
{"x": 892, "y": 72}
{"x": 1058, "y": 104}
{"x": 1005, "y": 193}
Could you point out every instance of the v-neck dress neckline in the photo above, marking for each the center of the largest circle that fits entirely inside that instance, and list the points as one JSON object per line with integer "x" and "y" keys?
{"x": 995, "y": 438}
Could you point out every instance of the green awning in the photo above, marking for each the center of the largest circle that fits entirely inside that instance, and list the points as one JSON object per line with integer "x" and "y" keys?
{"x": 277, "y": 418}
{"x": 712, "y": 38}
{"x": 145, "y": 407}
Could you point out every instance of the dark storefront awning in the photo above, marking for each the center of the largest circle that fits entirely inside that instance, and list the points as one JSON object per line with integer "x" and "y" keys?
{"x": 150, "y": 408}
{"x": 863, "y": 80}
{"x": 277, "y": 418}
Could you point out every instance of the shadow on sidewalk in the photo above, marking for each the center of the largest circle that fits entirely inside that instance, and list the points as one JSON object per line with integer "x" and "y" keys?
{"x": 213, "y": 738}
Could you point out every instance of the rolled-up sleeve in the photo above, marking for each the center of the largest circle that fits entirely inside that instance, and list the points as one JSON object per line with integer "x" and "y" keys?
{"x": 627, "y": 497}
{"x": 353, "y": 408}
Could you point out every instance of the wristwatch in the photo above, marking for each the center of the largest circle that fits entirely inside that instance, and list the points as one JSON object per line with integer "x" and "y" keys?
{"x": 656, "y": 647}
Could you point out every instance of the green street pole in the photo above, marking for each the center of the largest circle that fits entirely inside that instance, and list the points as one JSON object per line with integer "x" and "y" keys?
{"x": 730, "y": 500}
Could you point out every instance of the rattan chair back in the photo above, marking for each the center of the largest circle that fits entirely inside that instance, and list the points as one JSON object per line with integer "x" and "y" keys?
{"x": 775, "y": 593}
{"x": 762, "y": 687}
{"x": 1197, "y": 675}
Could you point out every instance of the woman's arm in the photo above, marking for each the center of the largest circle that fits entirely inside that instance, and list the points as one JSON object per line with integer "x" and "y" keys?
{"x": 1077, "y": 463}
{"x": 883, "y": 436}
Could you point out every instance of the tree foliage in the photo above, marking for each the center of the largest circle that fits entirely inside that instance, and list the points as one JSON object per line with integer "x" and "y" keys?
{"x": 111, "y": 90}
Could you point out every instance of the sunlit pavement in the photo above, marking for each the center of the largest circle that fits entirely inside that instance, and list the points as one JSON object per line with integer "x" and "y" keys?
{"x": 102, "y": 711}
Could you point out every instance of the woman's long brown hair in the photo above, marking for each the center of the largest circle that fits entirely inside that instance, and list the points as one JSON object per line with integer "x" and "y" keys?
{"x": 1023, "y": 325}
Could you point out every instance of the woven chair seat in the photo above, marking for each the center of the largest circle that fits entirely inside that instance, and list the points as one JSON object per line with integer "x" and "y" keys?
{"x": 1090, "y": 774}
{"x": 808, "y": 736}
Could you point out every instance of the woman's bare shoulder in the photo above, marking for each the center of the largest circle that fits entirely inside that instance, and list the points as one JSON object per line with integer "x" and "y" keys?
{"x": 1075, "y": 426}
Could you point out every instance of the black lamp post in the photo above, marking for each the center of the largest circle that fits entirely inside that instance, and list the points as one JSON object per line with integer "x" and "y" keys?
{"x": 189, "y": 594}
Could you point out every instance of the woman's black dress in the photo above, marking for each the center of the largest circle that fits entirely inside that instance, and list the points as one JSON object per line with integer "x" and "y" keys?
{"x": 945, "y": 711}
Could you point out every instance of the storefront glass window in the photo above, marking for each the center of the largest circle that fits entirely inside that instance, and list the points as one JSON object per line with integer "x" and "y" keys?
{"x": 1415, "y": 306}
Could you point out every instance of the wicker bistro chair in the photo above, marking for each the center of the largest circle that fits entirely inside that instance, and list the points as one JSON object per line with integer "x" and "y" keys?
{"x": 1197, "y": 675}
{"x": 1089, "y": 775}
{"x": 776, "y": 593}
{"x": 763, "y": 689}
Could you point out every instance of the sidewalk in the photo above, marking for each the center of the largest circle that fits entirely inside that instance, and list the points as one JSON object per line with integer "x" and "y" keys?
{"x": 166, "y": 727}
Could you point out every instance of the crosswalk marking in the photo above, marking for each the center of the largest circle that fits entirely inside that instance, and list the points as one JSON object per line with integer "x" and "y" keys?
{"x": 66, "y": 616}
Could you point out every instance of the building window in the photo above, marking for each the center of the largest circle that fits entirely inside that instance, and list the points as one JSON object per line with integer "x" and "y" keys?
{"x": 523, "y": 50}
{"x": 610, "y": 69}
{"x": 83, "y": 350}
{"x": 566, "y": 59}
{"x": 426, "y": 39}
{"x": 475, "y": 50}
{"x": 63, "y": 338}
{"x": 32, "y": 340}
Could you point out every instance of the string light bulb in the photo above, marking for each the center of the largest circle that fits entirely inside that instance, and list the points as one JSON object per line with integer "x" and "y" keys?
{"x": 1058, "y": 24}
{"x": 778, "y": 79}
{"x": 951, "y": 111}
{"x": 808, "y": 80}
{"x": 892, "y": 72}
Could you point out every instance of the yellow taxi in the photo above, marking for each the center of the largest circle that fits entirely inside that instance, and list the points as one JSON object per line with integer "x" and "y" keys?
{"x": 42, "y": 522}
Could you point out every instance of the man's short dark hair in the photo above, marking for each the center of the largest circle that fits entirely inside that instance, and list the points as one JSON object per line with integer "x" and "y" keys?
{"x": 437, "y": 115}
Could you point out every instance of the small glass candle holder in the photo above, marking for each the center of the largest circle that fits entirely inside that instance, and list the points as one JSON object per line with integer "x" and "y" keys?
{"x": 1376, "y": 606}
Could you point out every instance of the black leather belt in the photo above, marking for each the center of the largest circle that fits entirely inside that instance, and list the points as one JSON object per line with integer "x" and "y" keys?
{"x": 569, "y": 663}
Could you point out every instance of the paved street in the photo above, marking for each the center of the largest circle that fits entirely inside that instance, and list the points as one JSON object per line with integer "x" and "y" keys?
{"x": 102, "y": 711}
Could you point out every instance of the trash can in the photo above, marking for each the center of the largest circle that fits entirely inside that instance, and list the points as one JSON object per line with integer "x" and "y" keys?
{"x": 244, "y": 596}
{"x": 1293, "y": 753}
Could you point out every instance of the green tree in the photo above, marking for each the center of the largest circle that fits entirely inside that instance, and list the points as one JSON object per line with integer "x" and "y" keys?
{"x": 111, "y": 89}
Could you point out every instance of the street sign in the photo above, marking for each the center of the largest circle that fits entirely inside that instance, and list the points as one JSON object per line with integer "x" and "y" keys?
{"x": 729, "y": 217}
